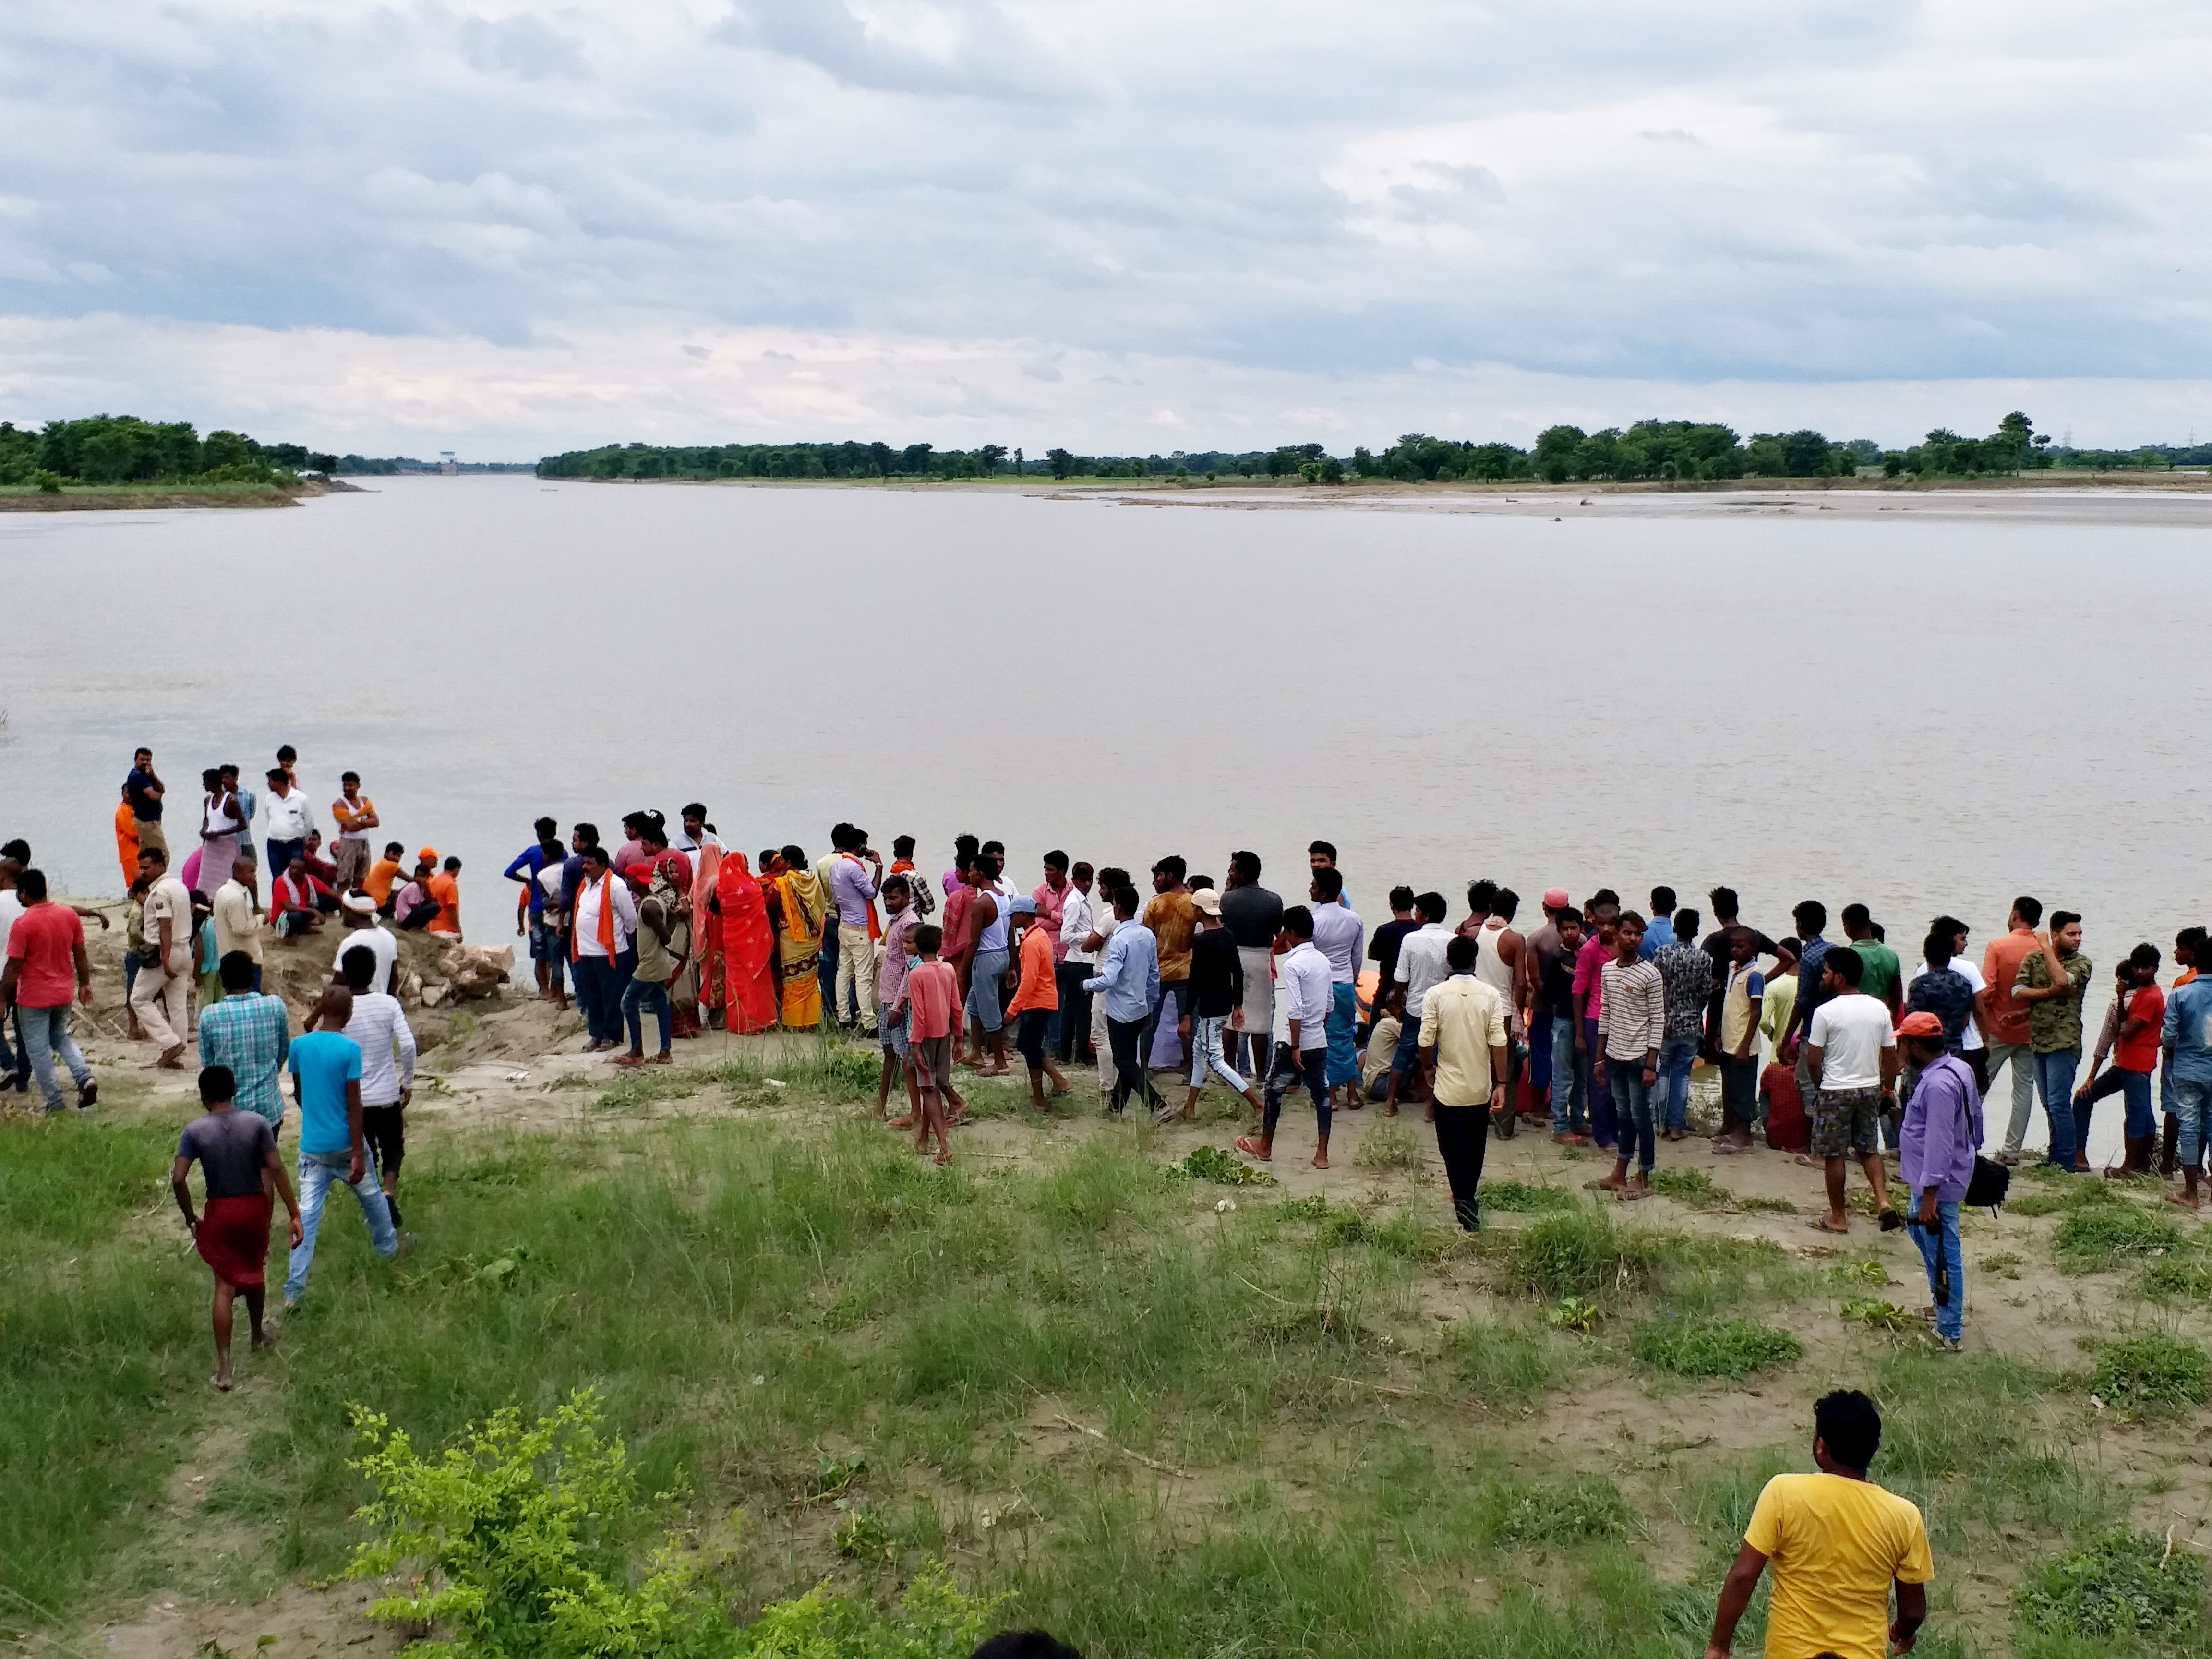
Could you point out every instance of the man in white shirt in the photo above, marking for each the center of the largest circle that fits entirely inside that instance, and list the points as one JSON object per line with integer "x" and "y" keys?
{"x": 387, "y": 1063}
{"x": 1341, "y": 936}
{"x": 1852, "y": 1054}
{"x": 236, "y": 926}
{"x": 1077, "y": 913}
{"x": 1420, "y": 969}
{"x": 358, "y": 913}
{"x": 290, "y": 820}
{"x": 162, "y": 995}
{"x": 1307, "y": 995}
{"x": 602, "y": 949}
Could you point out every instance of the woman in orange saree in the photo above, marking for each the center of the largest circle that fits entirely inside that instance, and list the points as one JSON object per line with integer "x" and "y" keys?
{"x": 746, "y": 945}
{"x": 801, "y": 909}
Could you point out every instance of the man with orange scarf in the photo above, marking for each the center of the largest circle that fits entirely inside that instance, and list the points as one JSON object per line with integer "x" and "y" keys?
{"x": 602, "y": 949}
{"x": 745, "y": 944}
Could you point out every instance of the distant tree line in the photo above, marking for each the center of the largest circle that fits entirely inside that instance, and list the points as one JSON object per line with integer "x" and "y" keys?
{"x": 1650, "y": 450}
{"x": 102, "y": 449}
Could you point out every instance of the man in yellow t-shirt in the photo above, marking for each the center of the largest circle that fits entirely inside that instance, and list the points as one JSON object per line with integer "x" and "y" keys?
{"x": 1838, "y": 1542}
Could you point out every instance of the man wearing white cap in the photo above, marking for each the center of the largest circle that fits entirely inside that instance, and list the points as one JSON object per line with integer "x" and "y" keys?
{"x": 357, "y": 910}
{"x": 1217, "y": 991}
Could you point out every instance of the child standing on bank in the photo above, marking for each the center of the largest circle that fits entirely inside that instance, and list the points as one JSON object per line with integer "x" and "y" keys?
{"x": 930, "y": 1001}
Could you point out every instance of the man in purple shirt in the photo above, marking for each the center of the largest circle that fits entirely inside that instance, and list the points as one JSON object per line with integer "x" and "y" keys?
{"x": 852, "y": 885}
{"x": 1942, "y": 1133}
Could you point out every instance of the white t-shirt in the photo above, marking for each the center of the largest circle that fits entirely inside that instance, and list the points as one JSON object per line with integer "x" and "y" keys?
{"x": 373, "y": 938}
{"x": 1973, "y": 976}
{"x": 380, "y": 1028}
{"x": 290, "y": 817}
{"x": 1850, "y": 1031}
{"x": 588, "y": 942}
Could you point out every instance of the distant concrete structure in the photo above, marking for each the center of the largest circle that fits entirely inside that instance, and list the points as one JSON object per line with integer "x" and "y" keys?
{"x": 447, "y": 466}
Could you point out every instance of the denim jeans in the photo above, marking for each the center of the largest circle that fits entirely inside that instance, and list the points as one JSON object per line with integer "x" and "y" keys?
{"x": 1939, "y": 1251}
{"x": 1631, "y": 1106}
{"x": 1206, "y": 1054}
{"x": 640, "y": 997}
{"x": 2135, "y": 1087}
{"x": 2191, "y": 1102}
{"x": 826, "y": 972}
{"x": 2055, "y": 1074}
{"x": 2022, "y": 1059}
{"x": 281, "y": 854}
{"x": 1570, "y": 1081}
{"x": 1676, "y": 1055}
{"x": 1292, "y": 1067}
{"x": 45, "y": 1033}
{"x": 1605, "y": 1125}
{"x": 318, "y": 1173}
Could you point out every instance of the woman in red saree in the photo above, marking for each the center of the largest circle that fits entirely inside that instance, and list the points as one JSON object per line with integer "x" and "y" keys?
{"x": 747, "y": 945}
{"x": 707, "y": 934}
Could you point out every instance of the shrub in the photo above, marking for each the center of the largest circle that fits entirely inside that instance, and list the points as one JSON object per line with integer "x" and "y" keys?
{"x": 49, "y": 483}
{"x": 1735, "y": 1348}
{"x": 1881, "y": 1315}
{"x": 1512, "y": 1196}
{"x": 1212, "y": 1164}
{"x": 2097, "y": 1235}
{"x": 2151, "y": 1371}
{"x": 2124, "y": 1583}
{"x": 1578, "y": 1252}
{"x": 2174, "y": 1279}
{"x": 1388, "y": 1145}
{"x": 1693, "y": 1187}
{"x": 1589, "y": 1507}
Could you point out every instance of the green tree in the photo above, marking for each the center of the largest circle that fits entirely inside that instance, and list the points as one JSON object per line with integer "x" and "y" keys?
{"x": 1062, "y": 462}
{"x": 1807, "y": 455}
{"x": 1555, "y": 451}
{"x": 989, "y": 456}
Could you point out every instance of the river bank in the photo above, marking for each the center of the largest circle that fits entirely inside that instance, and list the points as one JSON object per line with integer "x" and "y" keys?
{"x": 143, "y": 498}
{"x": 1164, "y": 1412}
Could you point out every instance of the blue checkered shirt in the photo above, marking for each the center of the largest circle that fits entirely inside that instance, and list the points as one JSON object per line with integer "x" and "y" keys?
{"x": 252, "y": 1035}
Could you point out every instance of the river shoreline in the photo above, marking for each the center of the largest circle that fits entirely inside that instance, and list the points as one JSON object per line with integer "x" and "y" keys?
{"x": 140, "y": 498}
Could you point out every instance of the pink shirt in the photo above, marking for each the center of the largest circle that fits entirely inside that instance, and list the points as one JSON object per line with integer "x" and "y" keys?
{"x": 898, "y": 943}
{"x": 1051, "y": 906}
{"x": 1590, "y": 969}
{"x": 931, "y": 990}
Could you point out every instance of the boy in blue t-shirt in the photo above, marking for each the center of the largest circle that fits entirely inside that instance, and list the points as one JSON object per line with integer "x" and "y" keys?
{"x": 2186, "y": 1039}
{"x": 326, "y": 1067}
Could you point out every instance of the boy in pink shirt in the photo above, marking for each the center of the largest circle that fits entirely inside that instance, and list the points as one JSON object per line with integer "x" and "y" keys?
{"x": 929, "y": 1001}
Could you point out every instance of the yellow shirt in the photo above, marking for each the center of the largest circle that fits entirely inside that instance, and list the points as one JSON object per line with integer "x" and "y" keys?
{"x": 1835, "y": 1544}
{"x": 1463, "y": 1019}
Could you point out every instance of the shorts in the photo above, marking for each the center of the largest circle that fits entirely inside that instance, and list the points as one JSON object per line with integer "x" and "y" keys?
{"x": 932, "y": 1058}
{"x": 384, "y": 1129}
{"x": 893, "y": 1032}
{"x": 545, "y": 942}
{"x": 985, "y": 998}
{"x": 1843, "y": 1123}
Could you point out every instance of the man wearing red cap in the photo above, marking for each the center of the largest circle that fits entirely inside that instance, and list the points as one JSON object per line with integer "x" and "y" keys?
{"x": 1942, "y": 1131}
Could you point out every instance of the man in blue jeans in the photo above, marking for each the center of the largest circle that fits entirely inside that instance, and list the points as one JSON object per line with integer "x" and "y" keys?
{"x": 1554, "y": 967}
{"x": 325, "y": 1068}
{"x": 1942, "y": 1127}
{"x": 1632, "y": 1017}
{"x": 2185, "y": 1035}
{"x": 1687, "y": 970}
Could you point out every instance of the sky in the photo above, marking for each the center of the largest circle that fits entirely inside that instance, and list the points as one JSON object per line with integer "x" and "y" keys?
{"x": 1118, "y": 226}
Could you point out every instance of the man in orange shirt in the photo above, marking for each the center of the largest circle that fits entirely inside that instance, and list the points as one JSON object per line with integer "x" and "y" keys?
{"x": 446, "y": 888}
{"x": 2007, "y": 1018}
{"x": 1037, "y": 998}
{"x": 127, "y": 838}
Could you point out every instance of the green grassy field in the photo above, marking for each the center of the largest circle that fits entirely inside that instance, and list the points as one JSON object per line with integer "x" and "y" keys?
{"x": 1160, "y": 1426}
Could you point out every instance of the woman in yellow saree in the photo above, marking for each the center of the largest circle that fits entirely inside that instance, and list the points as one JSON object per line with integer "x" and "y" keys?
{"x": 800, "y": 907}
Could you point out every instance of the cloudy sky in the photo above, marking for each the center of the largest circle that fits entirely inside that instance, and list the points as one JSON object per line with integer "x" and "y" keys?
{"x": 1111, "y": 224}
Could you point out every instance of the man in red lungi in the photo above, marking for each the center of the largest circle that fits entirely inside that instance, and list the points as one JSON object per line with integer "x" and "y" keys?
{"x": 237, "y": 1154}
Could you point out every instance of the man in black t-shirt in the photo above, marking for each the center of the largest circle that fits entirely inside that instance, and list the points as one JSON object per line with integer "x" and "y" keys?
{"x": 1217, "y": 993}
{"x": 1253, "y": 916}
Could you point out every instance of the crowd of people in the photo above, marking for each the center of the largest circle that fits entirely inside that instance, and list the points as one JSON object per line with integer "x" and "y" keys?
{"x": 1587, "y": 1025}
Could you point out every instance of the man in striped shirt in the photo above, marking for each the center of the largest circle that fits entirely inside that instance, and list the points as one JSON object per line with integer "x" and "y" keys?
{"x": 1632, "y": 1020}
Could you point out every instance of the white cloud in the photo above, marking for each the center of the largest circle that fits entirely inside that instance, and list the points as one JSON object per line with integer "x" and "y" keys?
{"x": 1717, "y": 207}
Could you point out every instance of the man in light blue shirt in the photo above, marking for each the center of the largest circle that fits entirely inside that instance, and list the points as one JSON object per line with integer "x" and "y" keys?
{"x": 325, "y": 1068}
{"x": 2187, "y": 1041}
{"x": 1659, "y": 931}
{"x": 1130, "y": 978}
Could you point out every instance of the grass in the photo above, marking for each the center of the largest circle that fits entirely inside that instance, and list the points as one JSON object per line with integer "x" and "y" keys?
{"x": 2123, "y": 1585}
{"x": 2154, "y": 1371}
{"x": 855, "y": 1362}
{"x": 2096, "y": 1236}
{"x": 1735, "y": 1348}
{"x": 1388, "y": 1143}
{"x": 1877, "y": 1314}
